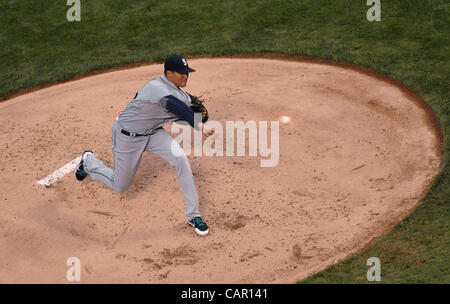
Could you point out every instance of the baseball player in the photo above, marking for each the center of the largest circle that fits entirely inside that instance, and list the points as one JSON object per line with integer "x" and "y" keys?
{"x": 139, "y": 128}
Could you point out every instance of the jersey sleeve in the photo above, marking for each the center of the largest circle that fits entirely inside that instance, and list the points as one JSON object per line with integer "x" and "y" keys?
{"x": 179, "y": 108}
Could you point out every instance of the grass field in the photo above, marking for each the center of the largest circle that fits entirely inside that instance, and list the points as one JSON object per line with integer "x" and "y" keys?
{"x": 411, "y": 43}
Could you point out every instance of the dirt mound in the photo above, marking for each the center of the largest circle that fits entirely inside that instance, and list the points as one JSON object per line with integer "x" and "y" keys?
{"x": 355, "y": 158}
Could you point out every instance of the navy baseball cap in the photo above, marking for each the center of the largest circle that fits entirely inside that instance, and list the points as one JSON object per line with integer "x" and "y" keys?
{"x": 178, "y": 64}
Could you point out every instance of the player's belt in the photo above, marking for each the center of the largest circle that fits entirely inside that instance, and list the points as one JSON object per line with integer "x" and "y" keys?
{"x": 132, "y": 134}
{"x": 136, "y": 135}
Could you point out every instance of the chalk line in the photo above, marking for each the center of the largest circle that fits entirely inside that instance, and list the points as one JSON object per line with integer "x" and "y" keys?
{"x": 58, "y": 174}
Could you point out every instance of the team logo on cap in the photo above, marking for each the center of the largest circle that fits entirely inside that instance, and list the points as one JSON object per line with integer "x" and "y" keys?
{"x": 184, "y": 61}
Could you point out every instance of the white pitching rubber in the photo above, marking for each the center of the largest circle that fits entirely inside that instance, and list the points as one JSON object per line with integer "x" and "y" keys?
{"x": 60, "y": 173}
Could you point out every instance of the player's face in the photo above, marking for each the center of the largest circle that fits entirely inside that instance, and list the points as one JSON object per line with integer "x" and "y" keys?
{"x": 178, "y": 79}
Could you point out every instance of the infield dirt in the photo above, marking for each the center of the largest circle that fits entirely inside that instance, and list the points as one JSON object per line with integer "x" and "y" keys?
{"x": 357, "y": 156}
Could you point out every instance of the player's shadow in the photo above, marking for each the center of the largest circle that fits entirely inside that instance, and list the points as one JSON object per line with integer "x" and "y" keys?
{"x": 156, "y": 175}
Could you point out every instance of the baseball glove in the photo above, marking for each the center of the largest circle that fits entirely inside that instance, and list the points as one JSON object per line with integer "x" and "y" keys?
{"x": 198, "y": 107}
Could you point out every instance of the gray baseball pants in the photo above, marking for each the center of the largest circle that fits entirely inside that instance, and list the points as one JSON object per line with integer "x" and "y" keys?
{"x": 127, "y": 154}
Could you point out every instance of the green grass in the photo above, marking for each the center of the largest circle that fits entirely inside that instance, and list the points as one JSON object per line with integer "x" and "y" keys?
{"x": 410, "y": 44}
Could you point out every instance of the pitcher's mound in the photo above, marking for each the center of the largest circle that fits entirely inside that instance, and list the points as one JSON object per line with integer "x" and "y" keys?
{"x": 355, "y": 156}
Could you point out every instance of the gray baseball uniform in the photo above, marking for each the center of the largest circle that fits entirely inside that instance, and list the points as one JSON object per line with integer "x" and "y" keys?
{"x": 144, "y": 116}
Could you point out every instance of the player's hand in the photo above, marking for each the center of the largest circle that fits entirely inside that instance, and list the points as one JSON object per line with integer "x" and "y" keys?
{"x": 207, "y": 131}
{"x": 210, "y": 132}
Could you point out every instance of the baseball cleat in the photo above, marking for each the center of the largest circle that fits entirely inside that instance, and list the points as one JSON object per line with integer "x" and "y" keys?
{"x": 80, "y": 173}
{"x": 199, "y": 225}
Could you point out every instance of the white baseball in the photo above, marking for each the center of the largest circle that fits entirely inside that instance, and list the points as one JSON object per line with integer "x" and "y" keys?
{"x": 285, "y": 119}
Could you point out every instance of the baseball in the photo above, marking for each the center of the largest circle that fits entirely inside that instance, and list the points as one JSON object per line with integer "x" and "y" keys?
{"x": 285, "y": 119}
